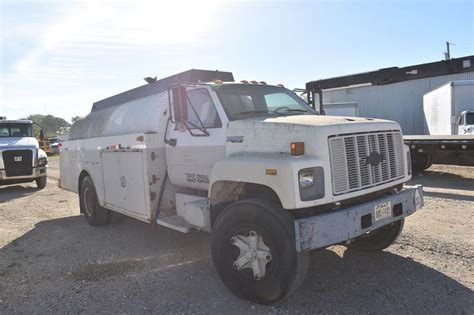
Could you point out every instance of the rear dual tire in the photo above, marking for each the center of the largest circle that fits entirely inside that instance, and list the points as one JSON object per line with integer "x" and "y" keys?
{"x": 95, "y": 214}
{"x": 284, "y": 269}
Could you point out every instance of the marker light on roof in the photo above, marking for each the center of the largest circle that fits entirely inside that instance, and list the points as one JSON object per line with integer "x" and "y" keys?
{"x": 254, "y": 82}
{"x": 218, "y": 81}
{"x": 280, "y": 85}
{"x": 244, "y": 81}
{"x": 262, "y": 82}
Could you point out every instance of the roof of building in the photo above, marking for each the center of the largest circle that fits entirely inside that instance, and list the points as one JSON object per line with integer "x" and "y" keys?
{"x": 396, "y": 74}
{"x": 190, "y": 76}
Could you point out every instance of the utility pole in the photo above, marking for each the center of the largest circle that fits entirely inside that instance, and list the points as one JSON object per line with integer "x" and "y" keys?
{"x": 447, "y": 54}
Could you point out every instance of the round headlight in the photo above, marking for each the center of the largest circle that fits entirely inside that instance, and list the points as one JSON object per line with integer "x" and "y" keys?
{"x": 42, "y": 161}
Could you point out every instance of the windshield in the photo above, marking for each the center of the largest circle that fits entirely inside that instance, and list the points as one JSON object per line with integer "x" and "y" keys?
{"x": 470, "y": 119}
{"x": 245, "y": 100}
{"x": 15, "y": 130}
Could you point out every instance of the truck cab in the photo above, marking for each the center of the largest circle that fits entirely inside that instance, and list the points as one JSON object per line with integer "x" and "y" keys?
{"x": 466, "y": 123}
{"x": 250, "y": 163}
{"x": 21, "y": 159}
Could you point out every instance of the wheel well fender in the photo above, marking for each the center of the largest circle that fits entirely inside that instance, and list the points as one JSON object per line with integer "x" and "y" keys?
{"x": 224, "y": 193}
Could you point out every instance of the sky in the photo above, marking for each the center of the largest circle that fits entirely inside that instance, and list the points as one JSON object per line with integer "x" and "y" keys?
{"x": 58, "y": 57}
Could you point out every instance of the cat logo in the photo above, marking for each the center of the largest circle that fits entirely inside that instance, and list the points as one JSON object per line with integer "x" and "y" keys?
{"x": 18, "y": 158}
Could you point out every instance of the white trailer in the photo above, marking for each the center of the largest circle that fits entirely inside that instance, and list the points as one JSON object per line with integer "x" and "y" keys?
{"x": 250, "y": 163}
{"x": 449, "y": 109}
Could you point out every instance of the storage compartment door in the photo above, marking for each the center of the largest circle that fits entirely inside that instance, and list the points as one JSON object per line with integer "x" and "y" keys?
{"x": 124, "y": 182}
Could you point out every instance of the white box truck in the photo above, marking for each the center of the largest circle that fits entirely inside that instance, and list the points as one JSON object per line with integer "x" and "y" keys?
{"x": 449, "y": 113}
{"x": 250, "y": 163}
{"x": 449, "y": 109}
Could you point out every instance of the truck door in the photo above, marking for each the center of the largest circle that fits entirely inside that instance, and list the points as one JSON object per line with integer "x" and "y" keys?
{"x": 461, "y": 124}
{"x": 196, "y": 144}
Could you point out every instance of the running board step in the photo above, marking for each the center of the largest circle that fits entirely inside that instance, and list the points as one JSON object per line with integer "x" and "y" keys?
{"x": 175, "y": 222}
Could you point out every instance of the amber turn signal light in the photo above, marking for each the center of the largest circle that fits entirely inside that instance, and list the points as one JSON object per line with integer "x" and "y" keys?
{"x": 297, "y": 148}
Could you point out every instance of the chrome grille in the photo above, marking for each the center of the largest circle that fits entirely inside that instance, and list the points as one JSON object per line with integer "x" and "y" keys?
{"x": 360, "y": 161}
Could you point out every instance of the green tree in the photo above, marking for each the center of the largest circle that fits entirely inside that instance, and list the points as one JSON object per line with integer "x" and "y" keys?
{"x": 51, "y": 125}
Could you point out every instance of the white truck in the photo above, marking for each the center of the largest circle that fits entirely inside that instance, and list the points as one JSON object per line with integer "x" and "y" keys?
{"x": 21, "y": 159}
{"x": 449, "y": 139}
{"x": 250, "y": 163}
{"x": 449, "y": 109}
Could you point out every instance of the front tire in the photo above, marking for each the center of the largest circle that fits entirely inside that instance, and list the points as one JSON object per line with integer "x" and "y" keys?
{"x": 95, "y": 214}
{"x": 379, "y": 239}
{"x": 41, "y": 182}
{"x": 254, "y": 252}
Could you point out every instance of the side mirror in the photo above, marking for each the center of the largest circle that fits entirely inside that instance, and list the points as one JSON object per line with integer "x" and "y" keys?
{"x": 180, "y": 103}
{"x": 41, "y": 135}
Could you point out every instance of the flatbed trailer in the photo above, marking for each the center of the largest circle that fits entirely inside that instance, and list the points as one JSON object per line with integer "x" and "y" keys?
{"x": 428, "y": 149}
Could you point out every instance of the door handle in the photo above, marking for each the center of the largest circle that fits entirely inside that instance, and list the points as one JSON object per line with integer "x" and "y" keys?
{"x": 172, "y": 141}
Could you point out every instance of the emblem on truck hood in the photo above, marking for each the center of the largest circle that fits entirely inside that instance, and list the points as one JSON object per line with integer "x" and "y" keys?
{"x": 235, "y": 139}
{"x": 374, "y": 159}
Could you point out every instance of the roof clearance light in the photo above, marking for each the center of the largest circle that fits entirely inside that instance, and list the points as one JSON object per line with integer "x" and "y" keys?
{"x": 262, "y": 82}
{"x": 280, "y": 85}
{"x": 297, "y": 148}
{"x": 244, "y": 81}
{"x": 218, "y": 81}
{"x": 254, "y": 82}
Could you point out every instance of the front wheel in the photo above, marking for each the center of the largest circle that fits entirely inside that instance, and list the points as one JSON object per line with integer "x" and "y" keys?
{"x": 41, "y": 182}
{"x": 254, "y": 252}
{"x": 378, "y": 239}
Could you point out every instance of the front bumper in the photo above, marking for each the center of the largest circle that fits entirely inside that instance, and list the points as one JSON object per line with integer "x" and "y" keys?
{"x": 37, "y": 172}
{"x": 343, "y": 225}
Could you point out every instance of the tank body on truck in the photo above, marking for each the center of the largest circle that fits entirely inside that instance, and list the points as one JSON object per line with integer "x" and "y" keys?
{"x": 250, "y": 163}
{"x": 21, "y": 159}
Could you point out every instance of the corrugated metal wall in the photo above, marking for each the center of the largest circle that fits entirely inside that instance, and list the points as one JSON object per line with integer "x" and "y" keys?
{"x": 402, "y": 102}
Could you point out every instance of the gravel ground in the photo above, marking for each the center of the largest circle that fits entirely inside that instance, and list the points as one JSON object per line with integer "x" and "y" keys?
{"x": 52, "y": 261}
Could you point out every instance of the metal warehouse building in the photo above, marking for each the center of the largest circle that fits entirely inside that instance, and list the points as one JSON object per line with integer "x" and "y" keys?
{"x": 392, "y": 93}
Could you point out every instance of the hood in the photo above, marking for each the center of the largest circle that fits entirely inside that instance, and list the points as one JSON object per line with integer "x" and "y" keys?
{"x": 275, "y": 134}
{"x": 308, "y": 120}
{"x": 18, "y": 143}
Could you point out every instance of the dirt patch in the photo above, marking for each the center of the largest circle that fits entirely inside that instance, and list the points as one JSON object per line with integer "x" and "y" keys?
{"x": 52, "y": 261}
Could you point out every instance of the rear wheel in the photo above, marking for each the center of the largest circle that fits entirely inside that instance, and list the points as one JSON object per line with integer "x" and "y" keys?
{"x": 41, "y": 182}
{"x": 93, "y": 212}
{"x": 379, "y": 239}
{"x": 253, "y": 249}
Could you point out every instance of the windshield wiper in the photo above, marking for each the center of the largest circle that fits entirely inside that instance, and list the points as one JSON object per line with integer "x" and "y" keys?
{"x": 295, "y": 110}
{"x": 255, "y": 112}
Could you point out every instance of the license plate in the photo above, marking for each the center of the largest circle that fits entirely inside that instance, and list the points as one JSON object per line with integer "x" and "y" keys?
{"x": 383, "y": 210}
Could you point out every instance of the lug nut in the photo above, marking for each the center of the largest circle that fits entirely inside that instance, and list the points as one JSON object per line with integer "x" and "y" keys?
{"x": 257, "y": 276}
{"x": 252, "y": 233}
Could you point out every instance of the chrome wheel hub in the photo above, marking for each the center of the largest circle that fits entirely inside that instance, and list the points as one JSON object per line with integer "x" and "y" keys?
{"x": 254, "y": 254}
